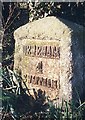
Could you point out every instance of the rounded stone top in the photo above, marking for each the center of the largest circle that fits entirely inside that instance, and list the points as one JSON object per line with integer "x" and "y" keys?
{"x": 46, "y": 28}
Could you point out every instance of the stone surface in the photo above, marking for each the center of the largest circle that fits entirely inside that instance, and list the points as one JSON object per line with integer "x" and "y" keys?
{"x": 51, "y": 49}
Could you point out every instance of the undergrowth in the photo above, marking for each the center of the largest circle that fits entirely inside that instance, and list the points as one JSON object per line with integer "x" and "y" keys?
{"x": 18, "y": 105}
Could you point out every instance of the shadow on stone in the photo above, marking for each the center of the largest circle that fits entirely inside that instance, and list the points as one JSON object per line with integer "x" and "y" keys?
{"x": 28, "y": 104}
{"x": 78, "y": 64}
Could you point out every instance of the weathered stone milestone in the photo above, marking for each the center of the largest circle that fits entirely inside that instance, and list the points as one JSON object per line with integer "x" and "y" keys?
{"x": 49, "y": 54}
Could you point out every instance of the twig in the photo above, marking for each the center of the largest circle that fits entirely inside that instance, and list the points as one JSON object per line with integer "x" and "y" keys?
{"x": 81, "y": 105}
{"x": 12, "y": 21}
{"x": 14, "y": 87}
{"x": 9, "y": 17}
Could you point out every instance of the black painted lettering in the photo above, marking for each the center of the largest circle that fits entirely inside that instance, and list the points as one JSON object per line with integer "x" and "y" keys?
{"x": 39, "y": 50}
{"x": 37, "y": 80}
{"x": 49, "y": 51}
{"x": 41, "y": 81}
{"x": 54, "y": 52}
{"x": 59, "y": 52}
{"x": 44, "y": 81}
{"x": 31, "y": 79}
{"x": 25, "y": 76}
{"x": 54, "y": 84}
{"x": 49, "y": 82}
{"x": 44, "y": 49}
{"x": 29, "y": 50}
{"x": 35, "y": 50}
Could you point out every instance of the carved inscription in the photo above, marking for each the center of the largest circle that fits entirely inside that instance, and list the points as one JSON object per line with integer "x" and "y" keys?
{"x": 42, "y": 51}
{"x": 41, "y": 65}
{"x": 41, "y": 81}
